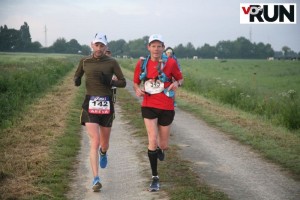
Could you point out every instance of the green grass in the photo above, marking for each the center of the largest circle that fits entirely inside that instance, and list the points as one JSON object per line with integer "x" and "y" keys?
{"x": 265, "y": 76}
{"x": 266, "y": 88}
{"x": 63, "y": 155}
{"x": 35, "y": 79}
{"x": 275, "y": 142}
{"x": 25, "y": 77}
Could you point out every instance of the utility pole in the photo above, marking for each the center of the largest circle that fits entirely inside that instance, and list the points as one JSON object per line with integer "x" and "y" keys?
{"x": 250, "y": 34}
{"x": 45, "y": 36}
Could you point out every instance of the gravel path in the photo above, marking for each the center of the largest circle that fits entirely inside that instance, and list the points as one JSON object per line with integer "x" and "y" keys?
{"x": 225, "y": 164}
{"x": 218, "y": 160}
{"x": 124, "y": 178}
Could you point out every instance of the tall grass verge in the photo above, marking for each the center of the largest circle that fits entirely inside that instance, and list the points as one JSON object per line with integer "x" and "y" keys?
{"x": 37, "y": 153}
{"x": 24, "y": 78}
{"x": 63, "y": 152}
{"x": 282, "y": 109}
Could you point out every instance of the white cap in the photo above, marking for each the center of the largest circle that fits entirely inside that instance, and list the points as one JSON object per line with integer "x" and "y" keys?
{"x": 100, "y": 37}
{"x": 154, "y": 37}
{"x": 169, "y": 51}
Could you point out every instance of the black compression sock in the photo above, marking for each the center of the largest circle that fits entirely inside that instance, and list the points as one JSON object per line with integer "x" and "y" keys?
{"x": 153, "y": 161}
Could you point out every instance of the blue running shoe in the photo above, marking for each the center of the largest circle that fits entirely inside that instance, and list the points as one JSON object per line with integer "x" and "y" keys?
{"x": 102, "y": 160}
{"x": 154, "y": 186}
{"x": 96, "y": 184}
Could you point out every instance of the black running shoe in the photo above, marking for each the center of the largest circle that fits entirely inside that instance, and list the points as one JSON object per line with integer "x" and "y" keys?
{"x": 154, "y": 186}
{"x": 160, "y": 154}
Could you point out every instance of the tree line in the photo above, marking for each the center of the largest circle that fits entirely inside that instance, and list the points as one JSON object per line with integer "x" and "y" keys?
{"x": 12, "y": 40}
{"x": 241, "y": 48}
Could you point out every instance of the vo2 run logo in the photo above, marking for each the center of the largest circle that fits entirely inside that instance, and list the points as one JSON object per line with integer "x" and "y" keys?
{"x": 268, "y": 13}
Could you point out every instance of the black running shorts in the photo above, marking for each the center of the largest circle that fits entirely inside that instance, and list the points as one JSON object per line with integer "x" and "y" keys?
{"x": 164, "y": 117}
{"x": 105, "y": 120}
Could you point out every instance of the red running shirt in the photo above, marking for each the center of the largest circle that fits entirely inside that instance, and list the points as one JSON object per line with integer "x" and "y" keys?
{"x": 160, "y": 100}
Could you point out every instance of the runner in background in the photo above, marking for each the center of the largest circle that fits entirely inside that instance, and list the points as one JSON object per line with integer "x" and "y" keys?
{"x": 108, "y": 52}
{"x": 170, "y": 53}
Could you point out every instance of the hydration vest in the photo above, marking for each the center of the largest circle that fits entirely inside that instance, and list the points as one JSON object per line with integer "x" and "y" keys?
{"x": 161, "y": 75}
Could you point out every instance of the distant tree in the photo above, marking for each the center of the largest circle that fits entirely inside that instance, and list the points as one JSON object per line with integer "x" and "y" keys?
{"x": 138, "y": 48}
{"x": 9, "y": 39}
{"x": 242, "y": 48}
{"x": 25, "y": 37}
{"x": 285, "y": 50}
{"x": 34, "y": 47}
{"x": 125, "y": 49}
{"x": 190, "y": 50}
{"x": 73, "y": 47}
{"x": 291, "y": 55}
{"x": 85, "y": 50}
{"x": 4, "y": 43}
{"x": 13, "y": 37}
{"x": 269, "y": 50}
{"x": 263, "y": 51}
{"x": 207, "y": 51}
{"x": 180, "y": 51}
{"x": 60, "y": 46}
{"x": 119, "y": 47}
{"x": 224, "y": 49}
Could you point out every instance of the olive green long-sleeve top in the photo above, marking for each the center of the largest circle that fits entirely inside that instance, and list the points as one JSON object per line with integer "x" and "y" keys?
{"x": 93, "y": 68}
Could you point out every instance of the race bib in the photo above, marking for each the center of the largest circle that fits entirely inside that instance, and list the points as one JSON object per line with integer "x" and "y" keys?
{"x": 99, "y": 105}
{"x": 153, "y": 86}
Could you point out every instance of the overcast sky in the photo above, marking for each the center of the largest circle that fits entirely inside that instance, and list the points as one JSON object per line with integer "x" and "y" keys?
{"x": 179, "y": 21}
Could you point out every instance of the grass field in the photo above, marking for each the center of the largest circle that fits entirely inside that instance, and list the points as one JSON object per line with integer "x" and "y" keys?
{"x": 266, "y": 88}
{"x": 274, "y": 140}
{"x": 37, "y": 152}
{"x": 37, "y": 143}
{"x": 25, "y": 77}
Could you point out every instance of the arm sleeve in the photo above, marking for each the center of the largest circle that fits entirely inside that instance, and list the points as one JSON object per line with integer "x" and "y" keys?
{"x": 79, "y": 73}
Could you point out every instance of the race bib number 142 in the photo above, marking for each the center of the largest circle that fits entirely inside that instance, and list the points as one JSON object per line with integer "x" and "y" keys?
{"x": 99, "y": 105}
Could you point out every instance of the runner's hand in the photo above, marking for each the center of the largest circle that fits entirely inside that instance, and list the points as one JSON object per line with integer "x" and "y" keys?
{"x": 139, "y": 92}
{"x": 77, "y": 81}
{"x": 173, "y": 86}
{"x": 106, "y": 79}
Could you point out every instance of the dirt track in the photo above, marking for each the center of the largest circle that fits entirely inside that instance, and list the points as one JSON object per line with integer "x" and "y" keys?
{"x": 219, "y": 161}
{"x": 228, "y": 165}
{"x": 123, "y": 178}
